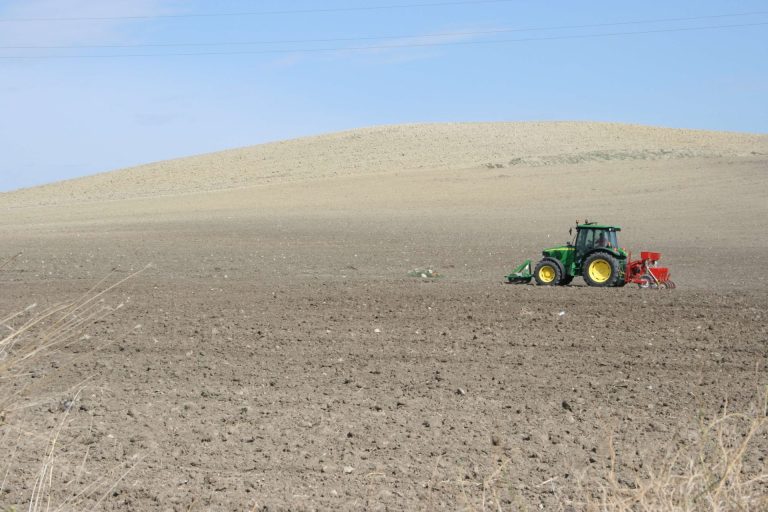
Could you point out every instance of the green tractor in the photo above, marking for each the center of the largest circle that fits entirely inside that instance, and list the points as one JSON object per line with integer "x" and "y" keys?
{"x": 593, "y": 254}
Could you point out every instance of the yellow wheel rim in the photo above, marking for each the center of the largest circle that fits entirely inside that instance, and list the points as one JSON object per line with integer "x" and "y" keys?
{"x": 600, "y": 271}
{"x": 547, "y": 274}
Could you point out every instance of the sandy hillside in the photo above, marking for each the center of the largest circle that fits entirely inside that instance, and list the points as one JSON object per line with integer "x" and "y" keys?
{"x": 381, "y": 149}
{"x": 280, "y": 355}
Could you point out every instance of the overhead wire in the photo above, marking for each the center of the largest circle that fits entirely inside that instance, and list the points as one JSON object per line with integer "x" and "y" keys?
{"x": 377, "y": 38}
{"x": 387, "y": 47}
{"x": 259, "y": 13}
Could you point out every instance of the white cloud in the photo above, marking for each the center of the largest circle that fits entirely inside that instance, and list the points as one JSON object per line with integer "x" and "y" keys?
{"x": 53, "y": 33}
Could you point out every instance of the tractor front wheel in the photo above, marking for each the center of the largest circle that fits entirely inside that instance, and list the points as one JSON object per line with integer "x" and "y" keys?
{"x": 548, "y": 272}
{"x": 601, "y": 269}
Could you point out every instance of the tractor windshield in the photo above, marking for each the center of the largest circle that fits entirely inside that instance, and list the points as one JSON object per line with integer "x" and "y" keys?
{"x": 605, "y": 239}
{"x": 589, "y": 239}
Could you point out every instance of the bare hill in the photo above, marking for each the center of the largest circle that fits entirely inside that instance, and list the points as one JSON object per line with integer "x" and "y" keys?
{"x": 393, "y": 148}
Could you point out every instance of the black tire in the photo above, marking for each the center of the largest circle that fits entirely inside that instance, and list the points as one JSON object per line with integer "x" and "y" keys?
{"x": 548, "y": 272}
{"x": 566, "y": 280}
{"x": 601, "y": 269}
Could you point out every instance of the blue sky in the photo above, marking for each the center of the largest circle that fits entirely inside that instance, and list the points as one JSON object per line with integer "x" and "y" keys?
{"x": 68, "y": 117}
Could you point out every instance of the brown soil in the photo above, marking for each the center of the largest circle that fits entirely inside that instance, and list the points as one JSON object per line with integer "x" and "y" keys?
{"x": 277, "y": 355}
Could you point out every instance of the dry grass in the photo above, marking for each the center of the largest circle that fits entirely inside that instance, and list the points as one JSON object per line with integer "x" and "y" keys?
{"x": 30, "y": 335}
{"x": 717, "y": 473}
{"x": 722, "y": 469}
{"x": 10, "y": 260}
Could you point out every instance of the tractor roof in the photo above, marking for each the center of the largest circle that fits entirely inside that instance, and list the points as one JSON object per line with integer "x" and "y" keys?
{"x": 595, "y": 225}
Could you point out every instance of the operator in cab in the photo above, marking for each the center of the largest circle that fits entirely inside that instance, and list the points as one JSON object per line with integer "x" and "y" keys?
{"x": 602, "y": 240}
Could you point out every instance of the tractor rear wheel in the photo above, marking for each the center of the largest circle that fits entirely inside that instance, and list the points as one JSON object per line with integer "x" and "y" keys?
{"x": 548, "y": 272}
{"x": 601, "y": 269}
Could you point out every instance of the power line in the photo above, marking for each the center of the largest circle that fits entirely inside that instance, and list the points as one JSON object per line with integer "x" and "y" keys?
{"x": 388, "y": 47}
{"x": 262, "y": 13}
{"x": 375, "y": 38}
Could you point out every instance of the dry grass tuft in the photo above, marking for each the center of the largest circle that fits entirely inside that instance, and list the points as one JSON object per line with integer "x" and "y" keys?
{"x": 721, "y": 471}
{"x": 27, "y": 336}
{"x": 10, "y": 260}
{"x": 29, "y": 333}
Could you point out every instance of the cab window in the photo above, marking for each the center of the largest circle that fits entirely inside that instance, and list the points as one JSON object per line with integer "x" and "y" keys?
{"x": 586, "y": 240}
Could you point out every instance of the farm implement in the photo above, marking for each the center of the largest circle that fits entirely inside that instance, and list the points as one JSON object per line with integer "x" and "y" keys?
{"x": 595, "y": 255}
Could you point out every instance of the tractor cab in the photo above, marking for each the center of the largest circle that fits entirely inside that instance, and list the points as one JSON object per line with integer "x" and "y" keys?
{"x": 591, "y": 236}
